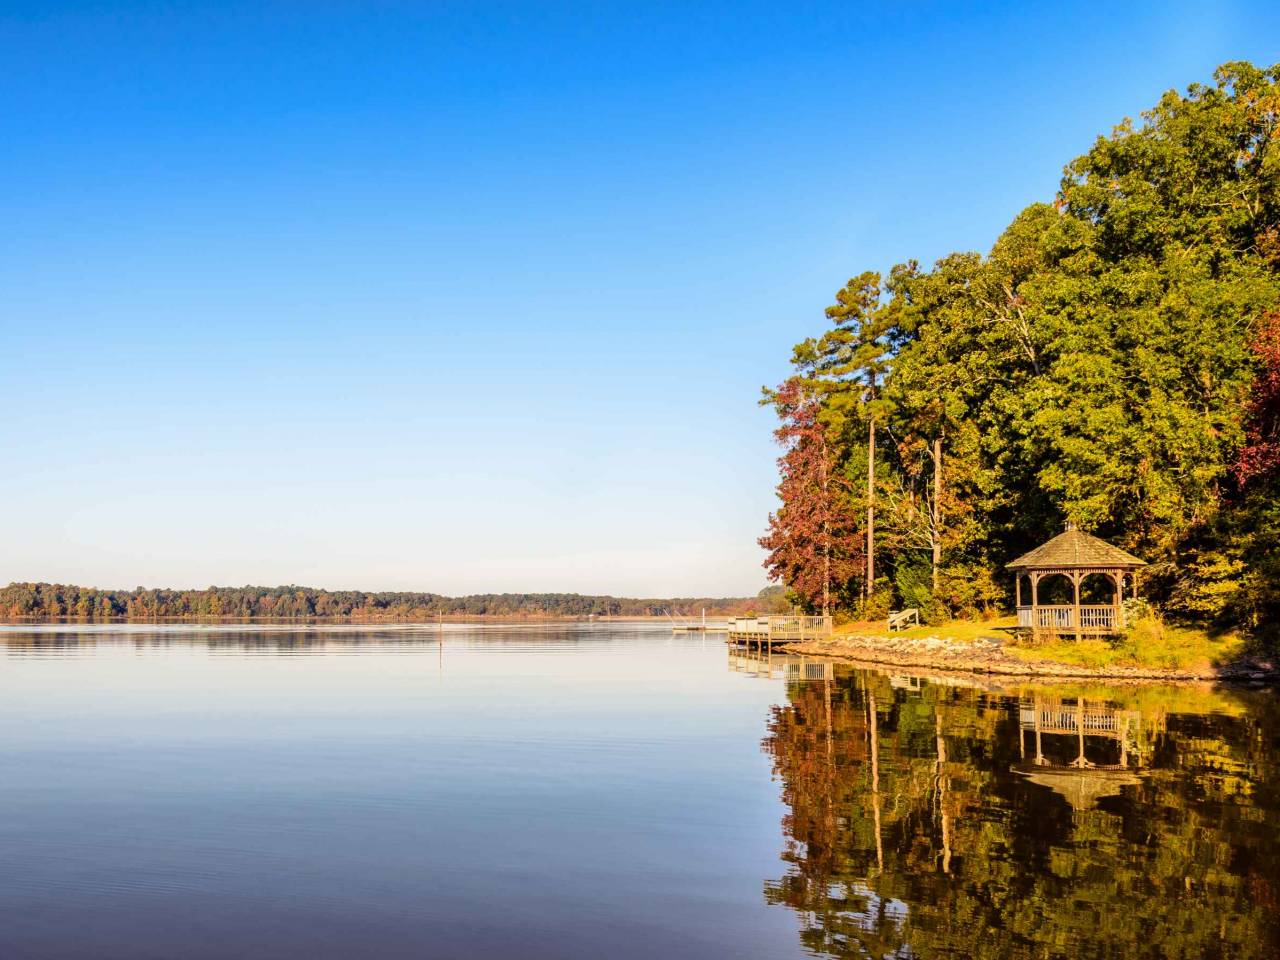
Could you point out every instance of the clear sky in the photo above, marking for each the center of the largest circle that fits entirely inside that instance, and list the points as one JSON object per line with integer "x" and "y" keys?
{"x": 476, "y": 296}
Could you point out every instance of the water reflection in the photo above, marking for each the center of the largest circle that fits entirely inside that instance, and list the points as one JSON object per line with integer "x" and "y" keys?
{"x": 577, "y": 790}
{"x": 530, "y": 790}
{"x": 791, "y": 668}
{"x": 944, "y": 818}
{"x": 54, "y": 639}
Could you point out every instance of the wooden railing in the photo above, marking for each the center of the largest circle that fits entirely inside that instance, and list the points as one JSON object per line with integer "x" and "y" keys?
{"x": 749, "y": 625}
{"x": 1063, "y": 617}
{"x": 1099, "y": 618}
{"x": 785, "y": 627}
{"x": 779, "y": 627}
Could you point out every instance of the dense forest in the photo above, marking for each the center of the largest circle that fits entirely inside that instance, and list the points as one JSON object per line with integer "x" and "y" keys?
{"x": 44, "y": 600}
{"x": 1112, "y": 361}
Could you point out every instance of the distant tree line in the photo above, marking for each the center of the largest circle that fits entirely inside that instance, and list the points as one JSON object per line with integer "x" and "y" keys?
{"x": 50, "y": 600}
{"x": 1113, "y": 361}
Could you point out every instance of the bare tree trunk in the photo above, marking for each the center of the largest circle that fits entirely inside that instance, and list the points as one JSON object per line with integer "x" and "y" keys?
{"x": 826, "y": 537}
{"x": 871, "y": 507}
{"x": 937, "y": 511}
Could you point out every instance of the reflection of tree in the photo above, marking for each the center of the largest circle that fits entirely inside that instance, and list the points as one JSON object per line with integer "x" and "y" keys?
{"x": 919, "y": 825}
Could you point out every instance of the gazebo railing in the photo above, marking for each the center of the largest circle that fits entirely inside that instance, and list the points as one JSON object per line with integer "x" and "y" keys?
{"x": 1099, "y": 618}
{"x": 1063, "y": 617}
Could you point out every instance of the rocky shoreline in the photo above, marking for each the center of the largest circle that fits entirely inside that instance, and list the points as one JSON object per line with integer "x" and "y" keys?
{"x": 988, "y": 656}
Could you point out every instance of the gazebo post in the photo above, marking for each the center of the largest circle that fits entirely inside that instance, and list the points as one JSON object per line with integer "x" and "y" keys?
{"x": 1118, "y": 577}
{"x": 1075, "y": 610}
{"x": 1035, "y": 602}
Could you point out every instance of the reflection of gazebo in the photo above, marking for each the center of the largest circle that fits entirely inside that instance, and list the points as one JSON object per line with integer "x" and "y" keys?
{"x": 1081, "y": 788}
{"x": 1076, "y": 556}
{"x": 1081, "y": 780}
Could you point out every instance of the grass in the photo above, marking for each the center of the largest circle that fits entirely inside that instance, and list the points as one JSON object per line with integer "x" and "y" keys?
{"x": 963, "y": 631}
{"x": 1154, "y": 646}
{"x": 1151, "y": 644}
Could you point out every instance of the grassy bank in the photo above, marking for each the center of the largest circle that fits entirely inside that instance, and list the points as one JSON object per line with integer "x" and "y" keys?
{"x": 1152, "y": 645}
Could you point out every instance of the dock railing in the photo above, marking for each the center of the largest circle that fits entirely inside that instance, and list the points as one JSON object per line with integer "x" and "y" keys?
{"x": 773, "y": 629}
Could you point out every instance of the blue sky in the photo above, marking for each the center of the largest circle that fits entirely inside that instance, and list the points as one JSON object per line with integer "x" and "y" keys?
{"x": 471, "y": 297}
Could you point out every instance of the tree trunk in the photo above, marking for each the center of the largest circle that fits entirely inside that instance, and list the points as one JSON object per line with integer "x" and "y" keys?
{"x": 871, "y": 507}
{"x": 937, "y": 511}
{"x": 826, "y": 537}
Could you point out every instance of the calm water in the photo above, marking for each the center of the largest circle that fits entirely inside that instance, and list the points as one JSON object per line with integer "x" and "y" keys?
{"x": 589, "y": 791}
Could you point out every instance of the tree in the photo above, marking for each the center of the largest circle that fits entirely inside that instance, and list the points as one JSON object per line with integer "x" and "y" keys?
{"x": 858, "y": 350}
{"x": 1260, "y": 458}
{"x": 1093, "y": 367}
{"x": 811, "y": 536}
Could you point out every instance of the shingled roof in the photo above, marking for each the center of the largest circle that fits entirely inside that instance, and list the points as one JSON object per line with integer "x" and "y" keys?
{"x": 1075, "y": 550}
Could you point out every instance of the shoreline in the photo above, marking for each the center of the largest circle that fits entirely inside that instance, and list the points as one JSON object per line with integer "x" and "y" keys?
{"x": 990, "y": 659}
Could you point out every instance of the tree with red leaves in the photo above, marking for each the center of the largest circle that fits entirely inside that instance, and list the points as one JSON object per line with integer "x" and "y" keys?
{"x": 813, "y": 537}
{"x": 1260, "y": 457}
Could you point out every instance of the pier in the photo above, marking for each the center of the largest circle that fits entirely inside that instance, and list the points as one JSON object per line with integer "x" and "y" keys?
{"x": 766, "y": 631}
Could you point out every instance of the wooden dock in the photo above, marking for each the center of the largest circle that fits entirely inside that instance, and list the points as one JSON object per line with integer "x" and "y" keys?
{"x": 765, "y": 631}
{"x": 697, "y": 626}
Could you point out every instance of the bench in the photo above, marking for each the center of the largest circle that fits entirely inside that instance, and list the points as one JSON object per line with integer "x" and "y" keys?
{"x": 901, "y": 619}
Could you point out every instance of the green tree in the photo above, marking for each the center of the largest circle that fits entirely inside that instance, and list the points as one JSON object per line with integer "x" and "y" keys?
{"x": 1093, "y": 367}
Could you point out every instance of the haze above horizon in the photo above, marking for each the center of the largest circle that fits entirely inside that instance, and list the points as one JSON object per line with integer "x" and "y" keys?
{"x": 478, "y": 298}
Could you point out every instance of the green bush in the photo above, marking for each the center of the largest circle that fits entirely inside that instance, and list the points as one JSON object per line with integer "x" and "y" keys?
{"x": 878, "y": 605}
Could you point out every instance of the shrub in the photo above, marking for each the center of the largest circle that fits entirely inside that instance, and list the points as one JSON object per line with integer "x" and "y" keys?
{"x": 879, "y": 604}
{"x": 1134, "y": 610}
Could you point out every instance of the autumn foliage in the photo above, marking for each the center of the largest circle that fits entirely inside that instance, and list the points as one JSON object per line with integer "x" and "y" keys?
{"x": 812, "y": 540}
{"x": 1260, "y": 457}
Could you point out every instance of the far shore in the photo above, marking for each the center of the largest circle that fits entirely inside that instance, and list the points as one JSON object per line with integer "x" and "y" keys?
{"x": 352, "y": 621}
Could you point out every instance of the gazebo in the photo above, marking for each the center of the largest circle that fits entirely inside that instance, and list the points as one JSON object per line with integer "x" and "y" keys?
{"x": 1076, "y": 556}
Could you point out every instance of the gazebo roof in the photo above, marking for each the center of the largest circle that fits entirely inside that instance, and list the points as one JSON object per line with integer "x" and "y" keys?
{"x": 1076, "y": 550}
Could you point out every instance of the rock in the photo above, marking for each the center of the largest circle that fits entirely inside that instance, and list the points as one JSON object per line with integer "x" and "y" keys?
{"x": 988, "y": 655}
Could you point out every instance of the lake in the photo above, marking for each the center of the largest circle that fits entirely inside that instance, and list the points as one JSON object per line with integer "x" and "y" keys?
{"x": 587, "y": 790}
